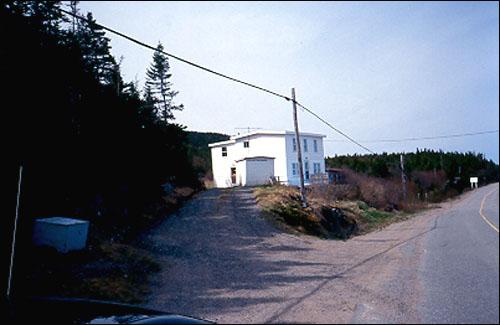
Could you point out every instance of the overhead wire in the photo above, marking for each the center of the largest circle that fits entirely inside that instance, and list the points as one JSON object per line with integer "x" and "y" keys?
{"x": 349, "y": 138}
{"x": 334, "y": 128}
{"x": 175, "y": 56}
{"x": 446, "y": 136}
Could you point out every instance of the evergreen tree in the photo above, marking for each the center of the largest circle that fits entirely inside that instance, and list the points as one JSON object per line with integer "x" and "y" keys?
{"x": 46, "y": 15}
{"x": 117, "y": 81}
{"x": 73, "y": 6}
{"x": 96, "y": 51}
{"x": 159, "y": 86}
{"x": 131, "y": 89}
{"x": 148, "y": 110}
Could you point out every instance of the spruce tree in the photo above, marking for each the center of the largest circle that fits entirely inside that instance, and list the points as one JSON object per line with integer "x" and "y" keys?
{"x": 159, "y": 86}
{"x": 148, "y": 110}
{"x": 96, "y": 51}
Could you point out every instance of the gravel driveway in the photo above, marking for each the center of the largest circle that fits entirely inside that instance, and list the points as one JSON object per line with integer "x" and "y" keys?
{"x": 223, "y": 262}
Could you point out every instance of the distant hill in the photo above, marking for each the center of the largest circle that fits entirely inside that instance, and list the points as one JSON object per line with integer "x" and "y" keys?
{"x": 199, "y": 152}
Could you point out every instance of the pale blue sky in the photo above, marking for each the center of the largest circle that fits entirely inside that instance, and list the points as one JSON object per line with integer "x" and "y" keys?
{"x": 374, "y": 70}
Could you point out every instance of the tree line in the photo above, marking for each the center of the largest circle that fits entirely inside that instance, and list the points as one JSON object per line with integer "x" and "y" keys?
{"x": 456, "y": 166}
{"x": 92, "y": 145}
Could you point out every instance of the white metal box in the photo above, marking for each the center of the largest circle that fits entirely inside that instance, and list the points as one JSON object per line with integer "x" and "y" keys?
{"x": 64, "y": 234}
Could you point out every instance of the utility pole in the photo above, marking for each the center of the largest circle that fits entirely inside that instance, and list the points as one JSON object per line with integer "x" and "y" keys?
{"x": 299, "y": 152}
{"x": 403, "y": 177}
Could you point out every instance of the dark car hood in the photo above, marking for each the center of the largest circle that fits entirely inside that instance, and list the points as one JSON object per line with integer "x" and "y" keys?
{"x": 85, "y": 311}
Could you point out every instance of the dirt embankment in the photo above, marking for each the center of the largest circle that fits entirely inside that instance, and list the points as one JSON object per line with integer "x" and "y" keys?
{"x": 325, "y": 216}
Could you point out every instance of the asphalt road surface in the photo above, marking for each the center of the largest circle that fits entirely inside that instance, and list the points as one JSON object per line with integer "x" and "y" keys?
{"x": 221, "y": 261}
{"x": 460, "y": 267}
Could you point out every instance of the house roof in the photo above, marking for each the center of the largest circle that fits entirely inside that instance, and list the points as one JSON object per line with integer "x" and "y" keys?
{"x": 262, "y": 132}
{"x": 221, "y": 143}
{"x": 255, "y": 157}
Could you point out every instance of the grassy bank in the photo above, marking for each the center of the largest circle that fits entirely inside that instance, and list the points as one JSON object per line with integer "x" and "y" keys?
{"x": 326, "y": 216}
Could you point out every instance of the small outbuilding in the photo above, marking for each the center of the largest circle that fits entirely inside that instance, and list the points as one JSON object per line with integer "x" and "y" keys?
{"x": 335, "y": 176}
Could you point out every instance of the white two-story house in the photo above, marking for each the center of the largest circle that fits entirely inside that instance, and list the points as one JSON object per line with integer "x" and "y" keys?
{"x": 255, "y": 157}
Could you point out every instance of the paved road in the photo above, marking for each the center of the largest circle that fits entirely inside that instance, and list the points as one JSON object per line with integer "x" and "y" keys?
{"x": 460, "y": 265}
{"x": 223, "y": 262}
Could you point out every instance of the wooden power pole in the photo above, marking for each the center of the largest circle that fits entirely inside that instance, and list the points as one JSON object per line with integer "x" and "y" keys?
{"x": 403, "y": 177}
{"x": 299, "y": 152}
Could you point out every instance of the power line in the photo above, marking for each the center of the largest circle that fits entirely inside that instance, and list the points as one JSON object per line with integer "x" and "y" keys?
{"x": 424, "y": 138}
{"x": 214, "y": 72}
{"x": 175, "y": 56}
{"x": 334, "y": 128}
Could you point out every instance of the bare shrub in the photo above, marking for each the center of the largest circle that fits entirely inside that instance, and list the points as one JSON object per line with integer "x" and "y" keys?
{"x": 334, "y": 192}
{"x": 429, "y": 180}
{"x": 413, "y": 202}
{"x": 378, "y": 192}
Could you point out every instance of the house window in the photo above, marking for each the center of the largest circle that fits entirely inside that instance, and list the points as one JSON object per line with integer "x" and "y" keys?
{"x": 224, "y": 151}
{"x": 315, "y": 144}
{"x": 246, "y": 144}
{"x": 317, "y": 168}
{"x": 305, "y": 145}
{"x": 306, "y": 170}
{"x": 294, "y": 143}
{"x": 295, "y": 169}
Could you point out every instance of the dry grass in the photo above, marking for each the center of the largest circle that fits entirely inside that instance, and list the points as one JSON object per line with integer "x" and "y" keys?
{"x": 208, "y": 183}
{"x": 110, "y": 271}
{"x": 281, "y": 204}
{"x": 184, "y": 192}
{"x": 124, "y": 274}
{"x": 179, "y": 195}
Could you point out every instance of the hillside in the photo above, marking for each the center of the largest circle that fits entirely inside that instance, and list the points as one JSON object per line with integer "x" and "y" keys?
{"x": 199, "y": 152}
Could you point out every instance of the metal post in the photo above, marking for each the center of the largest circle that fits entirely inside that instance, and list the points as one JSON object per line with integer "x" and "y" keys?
{"x": 299, "y": 153}
{"x": 13, "y": 247}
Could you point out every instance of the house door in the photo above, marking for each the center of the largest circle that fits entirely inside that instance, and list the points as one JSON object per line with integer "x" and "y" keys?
{"x": 233, "y": 175}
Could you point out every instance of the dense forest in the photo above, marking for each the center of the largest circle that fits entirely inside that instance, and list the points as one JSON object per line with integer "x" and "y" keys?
{"x": 92, "y": 145}
{"x": 455, "y": 167}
